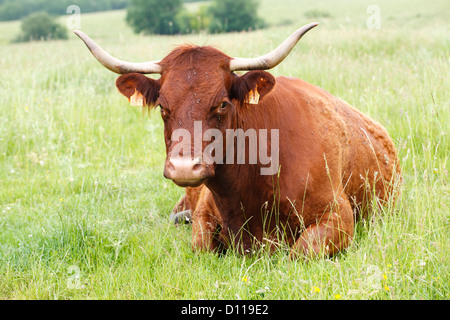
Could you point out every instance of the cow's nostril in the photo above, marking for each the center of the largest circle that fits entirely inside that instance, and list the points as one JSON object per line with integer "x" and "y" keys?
{"x": 169, "y": 166}
{"x": 197, "y": 167}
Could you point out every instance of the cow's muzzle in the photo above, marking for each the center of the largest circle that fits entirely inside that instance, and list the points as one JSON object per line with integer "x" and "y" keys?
{"x": 187, "y": 172}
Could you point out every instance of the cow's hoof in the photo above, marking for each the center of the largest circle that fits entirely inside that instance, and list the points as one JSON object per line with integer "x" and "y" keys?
{"x": 182, "y": 217}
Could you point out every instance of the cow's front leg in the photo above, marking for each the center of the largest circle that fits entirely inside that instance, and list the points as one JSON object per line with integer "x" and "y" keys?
{"x": 332, "y": 233}
{"x": 206, "y": 224}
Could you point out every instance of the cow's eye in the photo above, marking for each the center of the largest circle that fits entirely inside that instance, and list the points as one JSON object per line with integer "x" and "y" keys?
{"x": 164, "y": 111}
{"x": 219, "y": 109}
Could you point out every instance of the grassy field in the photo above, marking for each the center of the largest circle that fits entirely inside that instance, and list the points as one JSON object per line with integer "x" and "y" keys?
{"x": 84, "y": 205}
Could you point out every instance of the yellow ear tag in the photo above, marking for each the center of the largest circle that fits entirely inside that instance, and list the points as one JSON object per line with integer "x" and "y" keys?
{"x": 137, "y": 99}
{"x": 252, "y": 97}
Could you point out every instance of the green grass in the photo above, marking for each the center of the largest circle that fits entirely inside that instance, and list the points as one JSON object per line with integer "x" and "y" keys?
{"x": 84, "y": 205}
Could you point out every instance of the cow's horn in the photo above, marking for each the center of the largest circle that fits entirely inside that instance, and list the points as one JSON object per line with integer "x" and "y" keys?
{"x": 273, "y": 58}
{"x": 115, "y": 64}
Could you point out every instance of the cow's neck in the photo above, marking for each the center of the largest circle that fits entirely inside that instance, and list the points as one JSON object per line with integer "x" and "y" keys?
{"x": 237, "y": 178}
{"x": 235, "y": 186}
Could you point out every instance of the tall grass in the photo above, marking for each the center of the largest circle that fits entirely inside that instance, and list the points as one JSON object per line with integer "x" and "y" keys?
{"x": 84, "y": 206}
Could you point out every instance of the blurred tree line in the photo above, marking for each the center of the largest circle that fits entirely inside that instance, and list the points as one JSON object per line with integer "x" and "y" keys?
{"x": 170, "y": 17}
{"x": 144, "y": 16}
{"x": 16, "y": 9}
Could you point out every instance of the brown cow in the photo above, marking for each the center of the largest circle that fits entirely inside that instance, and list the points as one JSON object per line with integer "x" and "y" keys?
{"x": 331, "y": 161}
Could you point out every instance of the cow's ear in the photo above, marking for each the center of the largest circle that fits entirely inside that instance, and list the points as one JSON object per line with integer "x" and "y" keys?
{"x": 252, "y": 86}
{"x": 139, "y": 89}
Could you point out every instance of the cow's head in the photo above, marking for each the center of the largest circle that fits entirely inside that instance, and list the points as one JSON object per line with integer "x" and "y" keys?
{"x": 198, "y": 94}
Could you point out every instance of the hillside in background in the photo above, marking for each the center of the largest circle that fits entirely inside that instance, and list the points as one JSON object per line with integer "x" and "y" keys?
{"x": 16, "y": 9}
